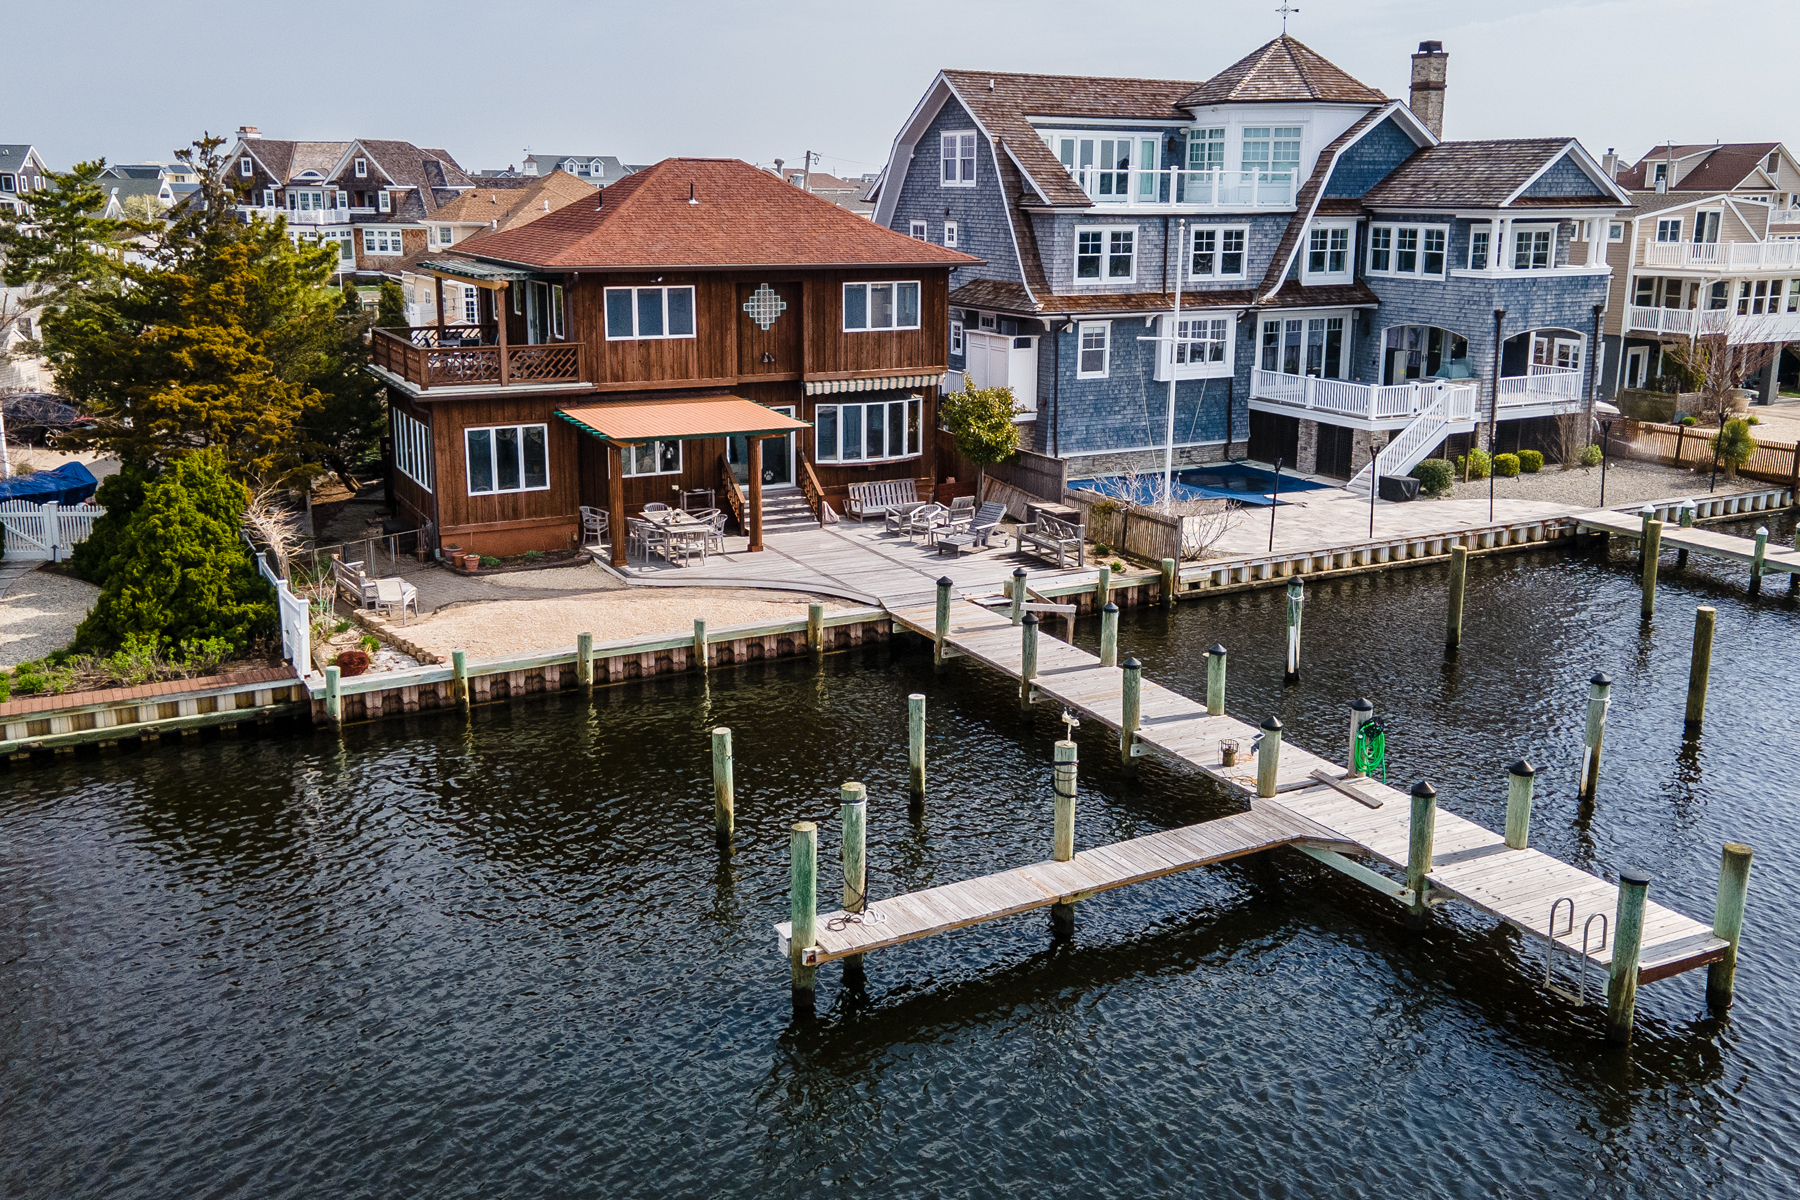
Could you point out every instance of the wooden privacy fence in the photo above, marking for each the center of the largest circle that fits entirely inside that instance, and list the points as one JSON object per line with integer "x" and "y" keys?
{"x": 1037, "y": 475}
{"x": 1137, "y": 532}
{"x": 1691, "y": 446}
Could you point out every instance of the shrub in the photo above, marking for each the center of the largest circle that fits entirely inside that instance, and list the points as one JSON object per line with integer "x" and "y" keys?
{"x": 5, "y": 687}
{"x": 534, "y": 556}
{"x": 1690, "y": 422}
{"x": 352, "y": 662}
{"x": 1733, "y": 444}
{"x": 1590, "y": 455}
{"x": 1531, "y": 461}
{"x": 1101, "y": 549}
{"x": 1118, "y": 565}
{"x": 1435, "y": 475}
{"x": 1474, "y": 464}
{"x": 181, "y": 571}
{"x": 488, "y": 560}
{"x": 370, "y": 643}
{"x": 1753, "y": 419}
{"x": 1506, "y": 466}
{"x": 121, "y": 494}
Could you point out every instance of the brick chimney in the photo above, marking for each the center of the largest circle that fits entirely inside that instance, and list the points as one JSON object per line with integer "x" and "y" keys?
{"x": 249, "y": 133}
{"x": 1427, "y": 100}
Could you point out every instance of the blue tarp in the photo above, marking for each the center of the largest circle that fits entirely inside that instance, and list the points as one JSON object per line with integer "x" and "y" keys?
{"x": 70, "y": 483}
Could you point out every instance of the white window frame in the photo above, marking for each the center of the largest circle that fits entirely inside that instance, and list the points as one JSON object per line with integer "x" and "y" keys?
{"x": 346, "y": 244}
{"x": 1615, "y": 231}
{"x": 246, "y": 168}
{"x": 556, "y": 311}
{"x": 361, "y": 168}
{"x": 1282, "y": 325}
{"x": 1210, "y": 355}
{"x": 950, "y": 234}
{"x": 1484, "y": 231}
{"x": 268, "y": 198}
{"x": 866, "y": 286}
{"x": 957, "y": 147}
{"x": 1347, "y": 253}
{"x": 1671, "y": 226}
{"x": 919, "y": 230}
{"x": 912, "y": 416}
{"x": 1107, "y": 235}
{"x": 493, "y": 432}
{"x": 634, "y": 335}
{"x": 629, "y": 455}
{"x": 1532, "y": 230}
{"x": 1397, "y": 234}
{"x": 1221, "y": 237}
{"x": 383, "y": 201}
{"x": 1103, "y": 329}
{"x": 412, "y": 447}
{"x": 443, "y": 235}
{"x": 377, "y": 237}
{"x": 471, "y": 304}
{"x": 956, "y": 337}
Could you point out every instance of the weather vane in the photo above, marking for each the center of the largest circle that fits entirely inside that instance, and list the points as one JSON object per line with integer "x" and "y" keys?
{"x": 1285, "y": 10}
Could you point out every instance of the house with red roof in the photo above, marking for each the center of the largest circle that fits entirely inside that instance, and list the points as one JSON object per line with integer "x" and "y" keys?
{"x": 699, "y": 327}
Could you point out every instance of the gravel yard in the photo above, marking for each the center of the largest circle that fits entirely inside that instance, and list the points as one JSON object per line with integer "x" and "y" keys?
{"x": 491, "y": 628}
{"x": 39, "y": 612}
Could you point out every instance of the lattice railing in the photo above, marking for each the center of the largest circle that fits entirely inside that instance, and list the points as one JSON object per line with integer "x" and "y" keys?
{"x": 545, "y": 363}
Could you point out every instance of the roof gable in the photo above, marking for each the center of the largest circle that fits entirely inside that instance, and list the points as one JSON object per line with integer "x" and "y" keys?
{"x": 1280, "y": 71}
{"x": 1717, "y": 168}
{"x": 1484, "y": 174}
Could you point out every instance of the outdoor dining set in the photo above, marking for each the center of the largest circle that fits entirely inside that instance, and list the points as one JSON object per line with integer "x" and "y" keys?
{"x": 672, "y": 533}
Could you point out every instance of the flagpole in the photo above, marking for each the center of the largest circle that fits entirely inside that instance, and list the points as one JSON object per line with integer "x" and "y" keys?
{"x": 1168, "y": 496}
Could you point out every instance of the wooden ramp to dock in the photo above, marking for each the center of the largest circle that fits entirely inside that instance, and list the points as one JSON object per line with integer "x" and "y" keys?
{"x": 1469, "y": 863}
{"x": 1702, "y": 541}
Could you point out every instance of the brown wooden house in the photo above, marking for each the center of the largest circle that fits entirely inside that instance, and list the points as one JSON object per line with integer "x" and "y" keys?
{"x": 700, "y": 324}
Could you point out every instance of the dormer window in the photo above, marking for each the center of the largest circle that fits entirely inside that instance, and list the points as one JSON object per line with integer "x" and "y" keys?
{"x": 246, "y": 168}
{"x": 1774, "y": 163}
{"x": 1662, "y": 173}
{"x": 1328, "y": 251}
{"x": 362, "y": 168}
{"x": 384, "y": 202}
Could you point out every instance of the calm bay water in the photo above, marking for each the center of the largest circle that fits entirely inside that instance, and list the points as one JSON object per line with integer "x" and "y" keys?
{"x": 501, "y": 956}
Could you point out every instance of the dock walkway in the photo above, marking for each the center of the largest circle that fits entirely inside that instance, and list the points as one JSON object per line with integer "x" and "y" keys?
{"x": 1469, "y": 863}
{"x": 1703, "y": 541}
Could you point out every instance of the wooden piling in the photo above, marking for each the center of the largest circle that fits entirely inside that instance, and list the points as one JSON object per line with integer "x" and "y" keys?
{"x": 1028, "y": 626}
{"x": 915, "y": 744}
{"x": 1018, "y": 595}
{"x": 853, "y": 811}
{"x": 1169, "y": 582}
{"x": 942, "y": 627}
{"x": 724, "y": 796}
{"x": 1599, "y": 699}
{"x": 803, "y": 910}
{"x": 1062, "y": 841}
{"x": 1685, "y": 518}
{"x": 815, "y": 629}
{"x": 1296, "y": 601}
{"x": 1361, "y": 712}
{"x": 1521, "y": 778}
{"x": 1130, "y": 712}
{"x": 1422, "y": 835}
{"x": 1627, "y": 943}
{"x": 1652, "y": 548}
{"x": 584, "y": 661}
{"x": 1700, "y": 666}
{"x": 699, "y": 654}
{"x": 1268, "y": 756}
{"x": 1756, "y": 559}
{"x": 1728, "y": 923}
{"x": 1103, "y": 587}
{"x": 1215, "y": 681}
{"x": 1459, "y": 582}
{"x": 459, "y": 678}
{"x": 334, "y": 700}
{"x": 1646, "y": 514}
{"x": 1109, "y": 635}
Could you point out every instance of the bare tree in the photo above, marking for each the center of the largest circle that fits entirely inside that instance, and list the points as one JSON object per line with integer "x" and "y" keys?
{"x": 274, "y": 524}
{"x": 1574, "y": 430}
{"x": 1720, "y": 367}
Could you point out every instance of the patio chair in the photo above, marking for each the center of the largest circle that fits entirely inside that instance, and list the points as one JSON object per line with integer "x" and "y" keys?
{"x": 895, "y": 519}
{"x": 655, "y": 506}
{"x": 595, "y": 524}
{"x": 923, "y": 519}
{"x": 954, "y": 538}
{"x": 642, "y": 537}
{"x": 962, "y": 507}
{"x": 395, "y": 593}
{"x": 715, "y": 520}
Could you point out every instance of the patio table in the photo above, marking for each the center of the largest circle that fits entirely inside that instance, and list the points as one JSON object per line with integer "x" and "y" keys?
{"x": 680, "y": 529}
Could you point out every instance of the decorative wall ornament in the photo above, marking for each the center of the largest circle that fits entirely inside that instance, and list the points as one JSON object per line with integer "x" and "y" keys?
{"x": 764, "y": 305}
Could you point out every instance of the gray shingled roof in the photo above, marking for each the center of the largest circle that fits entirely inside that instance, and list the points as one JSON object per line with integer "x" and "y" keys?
{"x": 1722, "y": 167}
{"x": 1469, "y": 174}
{"x": 1280, "y": 71}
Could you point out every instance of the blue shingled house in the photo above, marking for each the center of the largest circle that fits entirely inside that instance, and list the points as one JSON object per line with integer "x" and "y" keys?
{"x": 1321, "y": 274}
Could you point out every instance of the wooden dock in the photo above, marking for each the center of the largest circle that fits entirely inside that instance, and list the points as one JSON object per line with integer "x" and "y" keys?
{"x": 1468, "y": 862}
{"x": 1702, "y": 541}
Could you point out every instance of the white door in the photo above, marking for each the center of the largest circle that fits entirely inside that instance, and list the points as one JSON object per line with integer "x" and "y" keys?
{"x": 1021, "y": 368}
{"x": 1634, "y": 368}
{"x": 988, "y": 354}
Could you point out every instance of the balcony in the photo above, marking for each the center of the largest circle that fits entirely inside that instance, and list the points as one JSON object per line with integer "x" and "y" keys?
{"x": 467, "y": 356}
{"x": 1740, "y": 329}
{"x": 1232, "y": 191}
{"x": 1361, "y": 405}
{"x": 310, "y": 217}
{"x": 1738, "y": 256}
{"x": 1542, "y": 392}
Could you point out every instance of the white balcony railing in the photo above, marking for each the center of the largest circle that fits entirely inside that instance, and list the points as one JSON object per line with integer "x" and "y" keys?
{"x": 1187, "y": 189}
{"x": 1745, "y": 329}
{"x": 311, "y": 217}
{"x": 1364, "y": 401}
{"x": 1741, "y": 256}
{"x": 1541, "y": 385}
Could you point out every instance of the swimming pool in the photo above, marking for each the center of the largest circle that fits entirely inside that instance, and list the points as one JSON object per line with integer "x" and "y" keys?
{"x": 1227, "y": 481}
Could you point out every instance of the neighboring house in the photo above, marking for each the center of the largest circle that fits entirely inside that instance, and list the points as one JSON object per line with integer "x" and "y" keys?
{"x": 603, "y": 170}
{"x": 1763, "y": 172}
{"x": 22, "y": 171}
{"x": 844, "y": 193}
{"x": 644, "y": 344}
{"x": 1330, "y": 251}
{"x": 481, "y": 210}
{"x": 1687, "y": 263}
{"x": 370, "y": 196}
{"x": 19, "y": 370}
{"x": 149, "y": 180}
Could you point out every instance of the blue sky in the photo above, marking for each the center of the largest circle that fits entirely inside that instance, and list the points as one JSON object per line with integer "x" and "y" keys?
{"x": 773, "y": 79}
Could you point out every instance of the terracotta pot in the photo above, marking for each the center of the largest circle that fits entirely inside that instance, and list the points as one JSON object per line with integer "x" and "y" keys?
{"x": 471, "y": 561}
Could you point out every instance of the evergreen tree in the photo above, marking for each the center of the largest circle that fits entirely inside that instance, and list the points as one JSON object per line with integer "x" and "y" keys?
{"x": 182, "y": 572}
{"x": 121, "y": 494}
{"x": 390, "y": 313}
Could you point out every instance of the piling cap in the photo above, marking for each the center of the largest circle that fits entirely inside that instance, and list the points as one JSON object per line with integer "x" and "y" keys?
{"x": 1272, "y": 724}
{"x": 1018, "y": 572}
{"x": 1522, "y": 768}
{"x": 946, "y": 582}
{"x": 1762, "y": 531}
{"x": 1217, "y": 649}
{"x": 1424, "y": 790}
{"x": 1110, "y": 607}
{"x": 1601, "y": 679}
{"x": 1649, "y": 510}
{"x": 1132, "y": 664}
{"x": 1633, "y": 875}
{"x": 1360, "y": 705}
{"x": 1030, "y": 619}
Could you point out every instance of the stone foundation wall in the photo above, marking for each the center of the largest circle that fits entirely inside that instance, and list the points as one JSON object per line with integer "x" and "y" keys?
{"x": 1145, "y": 462}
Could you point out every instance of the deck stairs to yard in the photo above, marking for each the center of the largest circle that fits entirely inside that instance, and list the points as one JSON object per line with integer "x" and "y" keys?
{"x": 1337, "y": 822}
{"x": 1408, "y": 448}
{"x": 786, "y": 512}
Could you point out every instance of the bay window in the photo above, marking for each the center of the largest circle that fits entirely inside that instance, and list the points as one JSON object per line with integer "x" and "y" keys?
{"x": 651, "y": 458}
{"x": 1217, "y": 254}
{"x": 880, "y": 430}
{"x": 1206, "y": 150}
{"x": 639, "y": 314}
{"x": 507, "y": 458}
{"x": 875, "y": 306}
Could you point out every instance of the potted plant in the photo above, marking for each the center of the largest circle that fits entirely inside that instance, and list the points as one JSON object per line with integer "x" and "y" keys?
{"x": 471, "y": 562}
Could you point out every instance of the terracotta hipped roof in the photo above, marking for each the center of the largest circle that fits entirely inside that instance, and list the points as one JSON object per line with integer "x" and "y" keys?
{"x": 1279, "y": 71}
{"x": 678, "y": 420}
{"x": 739, "y": 217}
{"x": 1004, "y": 109}
{"x": 1722, "y": 168}
{"x": 1472, "y": 174}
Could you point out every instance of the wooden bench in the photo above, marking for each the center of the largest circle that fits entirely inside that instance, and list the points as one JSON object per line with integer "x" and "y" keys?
{"x": 878, "y": 499}
{"x": 1049, "y": 536}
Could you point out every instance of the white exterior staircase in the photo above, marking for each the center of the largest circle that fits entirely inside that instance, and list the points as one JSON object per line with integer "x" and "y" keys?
{"x": 1406, "y": 449}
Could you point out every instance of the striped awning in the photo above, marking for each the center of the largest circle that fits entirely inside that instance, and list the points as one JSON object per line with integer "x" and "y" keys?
{"x": 634, "y": 421}
{"x": 880, "y": 383}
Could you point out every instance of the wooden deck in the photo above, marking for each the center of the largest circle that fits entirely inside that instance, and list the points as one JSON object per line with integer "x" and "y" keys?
{"x": 1702, "y": 541}
{"x": 1469, "y": 863}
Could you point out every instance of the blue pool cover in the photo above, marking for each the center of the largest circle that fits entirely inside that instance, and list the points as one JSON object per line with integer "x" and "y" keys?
{"x": 1228, "y": 481}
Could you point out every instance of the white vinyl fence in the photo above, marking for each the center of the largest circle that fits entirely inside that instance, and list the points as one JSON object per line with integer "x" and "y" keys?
{"x": 295, "y": 613}
{"x": 46, "y": 530}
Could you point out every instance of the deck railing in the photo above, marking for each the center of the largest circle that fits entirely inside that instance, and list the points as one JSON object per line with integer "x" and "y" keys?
{"x": 1740, "y": 255}
{"x": 1193, "y": 189}
{"x": 1363, "y": 401}
{"x": 1742, "y": 329}
{"x": 465, "y": 355}
{"x": 809, "y": 487}
{"x": 734, "y": 495}
{"x": 1542, "y": 384}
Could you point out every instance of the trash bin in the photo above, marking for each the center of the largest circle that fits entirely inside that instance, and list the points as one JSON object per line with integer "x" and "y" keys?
{"x": 1398, "y": 487}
